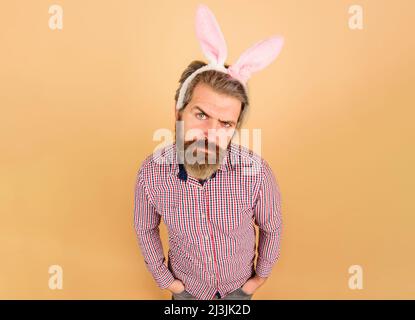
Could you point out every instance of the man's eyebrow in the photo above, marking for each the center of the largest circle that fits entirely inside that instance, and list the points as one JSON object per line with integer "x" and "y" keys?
{"x": 197, "y": 107}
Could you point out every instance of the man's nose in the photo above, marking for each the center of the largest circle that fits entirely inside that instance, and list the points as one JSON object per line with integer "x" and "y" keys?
{"x": 217, "y": 134}
{"x": 213, "y": 125}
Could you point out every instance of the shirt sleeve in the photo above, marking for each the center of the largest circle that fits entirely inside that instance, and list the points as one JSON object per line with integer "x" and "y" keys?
{"x": 267, "y": 211}
{"x": 146, "y": 222}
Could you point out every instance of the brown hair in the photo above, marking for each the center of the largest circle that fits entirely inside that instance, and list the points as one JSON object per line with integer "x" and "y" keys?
{"x": 218, "y": 81}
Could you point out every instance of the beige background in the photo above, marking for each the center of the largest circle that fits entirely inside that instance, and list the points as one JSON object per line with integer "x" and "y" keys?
{"x": 79, "y": 108}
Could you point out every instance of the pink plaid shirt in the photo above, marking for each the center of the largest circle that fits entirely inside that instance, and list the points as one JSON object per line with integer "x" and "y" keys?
{"x": 212, "y": 238}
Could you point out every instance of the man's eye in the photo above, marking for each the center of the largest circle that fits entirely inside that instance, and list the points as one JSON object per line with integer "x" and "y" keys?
{"x": 200, "y": 115}
{"x": 226, "y": 124}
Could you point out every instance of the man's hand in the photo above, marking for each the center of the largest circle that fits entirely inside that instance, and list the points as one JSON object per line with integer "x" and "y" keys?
{"x": 176, "y": 287}
{"x": 253, "y": 284}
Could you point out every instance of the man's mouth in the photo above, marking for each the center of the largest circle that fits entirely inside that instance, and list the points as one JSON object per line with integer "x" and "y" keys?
{"x": 207, "y": 150}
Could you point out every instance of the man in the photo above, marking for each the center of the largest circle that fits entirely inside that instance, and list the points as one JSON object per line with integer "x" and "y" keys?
{"x": 209, "y": 207}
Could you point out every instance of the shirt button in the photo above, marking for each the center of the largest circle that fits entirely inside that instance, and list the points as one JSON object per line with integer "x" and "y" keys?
{"x": 206, "y": 237}
{"x": 210, "y": 259}
{"x": 203, "y": 216}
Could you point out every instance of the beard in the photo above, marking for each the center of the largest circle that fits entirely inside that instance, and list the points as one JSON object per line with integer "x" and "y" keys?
{"x": 200, "y": 157}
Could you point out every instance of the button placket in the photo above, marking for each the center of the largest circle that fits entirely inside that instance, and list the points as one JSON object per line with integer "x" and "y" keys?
{"x": 210, "y": 257}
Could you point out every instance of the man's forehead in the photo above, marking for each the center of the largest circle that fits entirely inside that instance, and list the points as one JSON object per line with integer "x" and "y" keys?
{"x": 213, "y": 103}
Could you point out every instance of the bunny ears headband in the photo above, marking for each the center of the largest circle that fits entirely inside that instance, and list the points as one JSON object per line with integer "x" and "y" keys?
{"x": 215, "y": 50}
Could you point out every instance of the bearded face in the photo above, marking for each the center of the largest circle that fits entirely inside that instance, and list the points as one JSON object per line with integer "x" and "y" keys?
{"x": 204, "y": 129}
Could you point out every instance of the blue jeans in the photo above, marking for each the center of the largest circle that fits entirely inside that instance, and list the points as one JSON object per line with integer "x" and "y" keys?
{"x": 237, "y": 294}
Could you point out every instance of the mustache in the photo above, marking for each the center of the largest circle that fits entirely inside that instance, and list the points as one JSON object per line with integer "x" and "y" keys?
{"x": 203, "y": 143}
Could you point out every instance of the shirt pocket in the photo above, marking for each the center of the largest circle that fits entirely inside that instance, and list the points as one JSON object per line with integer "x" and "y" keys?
{"x": 232, "y": 216}
{"x": 177, "y": 215}
{"x": 167, "y": 201}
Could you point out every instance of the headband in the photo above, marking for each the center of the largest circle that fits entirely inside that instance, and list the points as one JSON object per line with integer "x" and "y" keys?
{"x": 213, "y": 44}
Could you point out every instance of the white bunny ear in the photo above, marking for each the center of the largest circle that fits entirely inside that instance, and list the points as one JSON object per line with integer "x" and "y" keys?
{"x": 210, "y": 36}
{"x": 256, "y": 58}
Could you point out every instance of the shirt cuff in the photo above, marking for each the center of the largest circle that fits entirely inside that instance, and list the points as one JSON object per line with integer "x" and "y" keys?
{"x": 263, "y": 268}
{"x": 164, "y": 278}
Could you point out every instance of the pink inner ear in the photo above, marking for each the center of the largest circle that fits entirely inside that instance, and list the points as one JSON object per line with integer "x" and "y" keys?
{"x": 210, "y": 36}
{"x": 256, "y": 58}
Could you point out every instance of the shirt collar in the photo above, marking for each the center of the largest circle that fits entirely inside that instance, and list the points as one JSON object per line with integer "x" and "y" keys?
{"x": 182, "y": 175}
